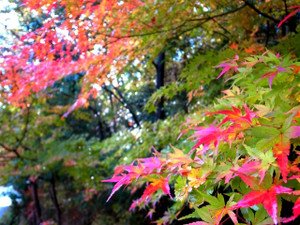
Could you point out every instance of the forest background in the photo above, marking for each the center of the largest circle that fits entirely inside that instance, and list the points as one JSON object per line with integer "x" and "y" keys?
{"x": 90, "y": 85}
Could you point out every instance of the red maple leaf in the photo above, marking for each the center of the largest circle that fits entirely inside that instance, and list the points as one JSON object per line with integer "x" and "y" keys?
{"x": 233, "y": 46}
{"x": 265, "y": 197}
{"x": 236, "y": 116}
{"x": 240, "y": 122}
{"x": 281, "y": 152}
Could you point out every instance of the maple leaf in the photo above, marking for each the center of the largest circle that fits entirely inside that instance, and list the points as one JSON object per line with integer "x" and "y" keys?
{"x": 161, "y": 183}
{"x": 227, "y": 65}
{"x": 250, "y": 50}
{"x": 251, "y": 181}
{"x": 217, "y": 209}
{"x": 220, "y": 213}
{"x": 233, "y": 46}
{"x": 228, "y": 174}
{"x": 265, "y": 197}
{"x": 294, "y": 132}
{"x": 207, "y": 136}
{"x": 213, "y": 135}
{"x": 190, "y": 123}
{"x": 196, "y": 177}
{"x": 125, "y": 174}
{"x": 236, "y": 116}
{"x": 150, "y": 164}
{"x": 240, "y": 122}
{"x": 254, "y": 166}
{"x": 271, "y": 75}
{"x": 121, "y": 180}
{"x": 281, "y": 152}
{"x": 251, "y": 62}
{"x": 178, "y": 159}
{"x": 150, "y": 213}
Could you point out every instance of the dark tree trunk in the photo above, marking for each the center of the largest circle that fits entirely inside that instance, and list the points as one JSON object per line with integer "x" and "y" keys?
{"x": 100, "y": 126}
{"x": 37, "y": 206}
{"x": 267, "y": 33}
{"x": 55, "y": 202}
{"x": 283, "y": 28}
{"x": 100, "y": 130}
{"x": 114, "y": 126}
{"x": 159, "y": 64}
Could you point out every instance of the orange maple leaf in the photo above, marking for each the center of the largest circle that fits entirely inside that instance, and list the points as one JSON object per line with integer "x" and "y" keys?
{"x": 161, "y": 183}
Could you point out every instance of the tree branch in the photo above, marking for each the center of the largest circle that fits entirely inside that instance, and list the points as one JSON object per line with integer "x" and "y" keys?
{"x": 20, "y": 140}
{"x": 14, "y": 150}
{"x": 218, "y": 15}
{"x": 221, "y": 26}
{"x": 53, "y": 197}
{"x": 260, "y": 12}
{"x": 207, "y": 18}
{"x": 285, "y": 8}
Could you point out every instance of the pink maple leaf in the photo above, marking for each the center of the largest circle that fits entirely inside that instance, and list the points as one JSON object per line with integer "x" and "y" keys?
{"x": 207, "y": 136}
{"x": 125, "y": 174}
{"x": 294, "y": 132}
{"x": 253, "y": 166}
{"x": 227, "y": 65}
{"x": 121, "y": 180}
{"x": 150, "y": 164}
{"x": 271, "y": 75}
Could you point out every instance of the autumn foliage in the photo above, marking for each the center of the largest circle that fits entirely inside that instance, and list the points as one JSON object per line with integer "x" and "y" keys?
{"x": 247, "y": 150}
{"x": 237, "y": 156}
